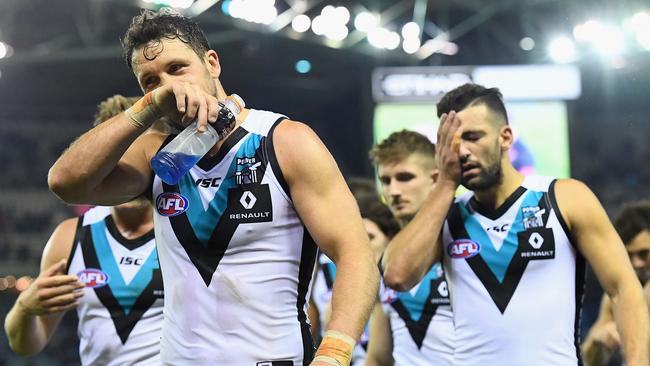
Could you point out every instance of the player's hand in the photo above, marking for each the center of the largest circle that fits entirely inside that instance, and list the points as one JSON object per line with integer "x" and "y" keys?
{"x": 183, "y": 103}
{"x": 607, "y": 336}
{"x": 448, "y": 149}
{"x": 52, "y": 292}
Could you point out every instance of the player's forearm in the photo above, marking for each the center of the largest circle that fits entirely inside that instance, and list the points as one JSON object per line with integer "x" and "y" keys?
{"x": 410, "y": 254}
{"x": 631, "y": 316}
{"x": 90, "y": 159}
{"x": 354, "y": 292}
{"x": 25, "y": 332}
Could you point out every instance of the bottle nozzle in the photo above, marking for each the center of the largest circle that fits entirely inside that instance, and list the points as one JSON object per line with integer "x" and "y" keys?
{"x": 235, "y": 103}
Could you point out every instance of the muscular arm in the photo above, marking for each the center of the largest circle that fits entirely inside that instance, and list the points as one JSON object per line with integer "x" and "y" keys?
{"x": 380, "y": 343}
{"x": 417, "y": 246}
{"x": 601, "y": 334}
{"x": 107, "y": 165}
{"x": 38, "y": 310}
{"x": 332, "y": 217}
{"x": 598, "y": 242}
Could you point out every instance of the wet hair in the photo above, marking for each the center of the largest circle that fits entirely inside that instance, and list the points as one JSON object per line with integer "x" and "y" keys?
{"x": 372, "y": 209}
{"x": 112, "y": 106}
{"x": 400, "y": 145}
{"x": 152, "y": 27}
{"x": 633, "y": 219}
{"x": 469, "y": 95}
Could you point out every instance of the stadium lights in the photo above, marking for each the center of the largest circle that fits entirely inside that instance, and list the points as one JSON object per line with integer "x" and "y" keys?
{"x": 301, "y": 23}
{"x": 411, "y": 45}
{"x": 254, "y": 11}
{"x": 527, "y": 44}
{"x": 5, "y": 50}
{"x": 640, "y": 24}
{"x": 589, "y": 31}
{"x": 611, "y": 42}
{"x": 562, "y": 50}
{"x": 331, "y": 23}
{"x": 411, "y": 30}
{"x": 365, "y": 21}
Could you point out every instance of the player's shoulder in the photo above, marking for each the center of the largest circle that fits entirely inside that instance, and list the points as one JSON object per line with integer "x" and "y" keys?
{"x": 60, "y": 243}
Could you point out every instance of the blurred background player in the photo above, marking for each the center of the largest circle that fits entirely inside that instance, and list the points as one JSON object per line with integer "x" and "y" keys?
{"x": 413, "y": 328}
{"x": 602, "y": 345}
{"x": 105, "y": 264}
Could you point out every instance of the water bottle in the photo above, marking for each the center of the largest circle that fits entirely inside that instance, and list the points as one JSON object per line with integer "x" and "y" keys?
{"x": 186, "y": 149}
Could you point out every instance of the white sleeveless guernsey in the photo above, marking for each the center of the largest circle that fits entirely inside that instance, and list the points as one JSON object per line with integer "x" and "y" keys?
{"x": 515, "y": 280}
{"x": 236, "y": 258}
{"x": 421, "y": 321}
{"x": 121, "y": 312}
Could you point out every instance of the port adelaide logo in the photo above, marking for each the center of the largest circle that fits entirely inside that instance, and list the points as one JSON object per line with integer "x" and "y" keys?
{"x": 247, "y": 170}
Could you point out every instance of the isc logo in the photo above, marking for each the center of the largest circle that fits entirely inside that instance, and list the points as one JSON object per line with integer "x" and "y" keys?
{"x": 171, "y": 204}
{"x": 463, "y": 248}
{"x": 93, "y": 277}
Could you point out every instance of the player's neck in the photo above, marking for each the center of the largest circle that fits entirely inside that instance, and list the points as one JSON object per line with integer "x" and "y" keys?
{"x": 495, "y": 197}
{"x": 133, "y": 222}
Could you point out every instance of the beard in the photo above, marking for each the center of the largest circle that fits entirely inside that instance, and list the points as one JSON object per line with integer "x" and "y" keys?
{"x": 487, "y": 178}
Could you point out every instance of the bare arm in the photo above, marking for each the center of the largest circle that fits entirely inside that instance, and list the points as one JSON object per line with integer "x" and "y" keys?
{"x": 410, "y": 254}
{"x": 109, "y": 164}
{"x": 602, "y": 337}
{"x": 332, "y": 217}
{"x": 598, "y": 242}
{"x": 380, "y": 343}
{"x": 38, "y": 310}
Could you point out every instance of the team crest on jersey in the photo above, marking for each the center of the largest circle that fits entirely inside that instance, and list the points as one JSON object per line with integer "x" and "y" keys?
{"x": 93, "y": 277}
{"x": 171, "y": 204}
{"x": 532, "y": 217}
{"x": 463, "y": 248}
{"x": 247, "y": 170}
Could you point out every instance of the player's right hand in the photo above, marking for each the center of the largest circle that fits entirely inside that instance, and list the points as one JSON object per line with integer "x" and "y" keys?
{"x": 607, "y": 336}
{"x": 52, "y": 292}
{"x": 183, "y": 102}
{"x": 447, "y": 149}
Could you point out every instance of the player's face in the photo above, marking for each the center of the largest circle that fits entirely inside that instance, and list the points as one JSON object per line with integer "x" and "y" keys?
{"x": 639, "y": 251}
{"x": 378, "y": 240}
{"x": 406, "y": 184}
{"x": 482, "y": 148}
{"x": 159, "y": 63}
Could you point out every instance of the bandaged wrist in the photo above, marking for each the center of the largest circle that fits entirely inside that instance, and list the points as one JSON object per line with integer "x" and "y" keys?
{"x": 335, "y": 349}
{"x": 144, "y": 112}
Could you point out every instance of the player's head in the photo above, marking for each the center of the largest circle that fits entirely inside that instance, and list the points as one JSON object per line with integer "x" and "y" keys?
{"x": 633, "y": 226}
{"x": 486, "y": 133}
{"x": 406, "y": 165}
{"x": 379, "y": 222}
{"x": 164, "y": 46}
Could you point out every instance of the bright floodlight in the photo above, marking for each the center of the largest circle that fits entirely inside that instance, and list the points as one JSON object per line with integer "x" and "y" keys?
{"x": 411, "y": 30}
{"x": 590, "y": 31}
{"x": 611, "y": 42}
{"x": 337, "y": 33}
{"x": 641, "y": 21}
{"x": 328, "y": 11}
{"x": 527, "y": 44}
{"x": 377, "y": 37}
{"x": 181, "y": 4}
{"x": 318, "y": 25}
{"x": 644, "y": 39}
{"x": 562, "y": 50}
{"x": 301, "y": 23}
{"x": 342, "y": 14}
{"x": 4, "y": 50}
{"x": 411, "y": 45}
{"x": 392, "y": 40}
{"x": 365, "y": 21}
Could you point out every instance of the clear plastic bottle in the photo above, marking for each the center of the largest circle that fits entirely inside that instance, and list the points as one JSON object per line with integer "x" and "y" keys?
{"x": 186, "y": 149}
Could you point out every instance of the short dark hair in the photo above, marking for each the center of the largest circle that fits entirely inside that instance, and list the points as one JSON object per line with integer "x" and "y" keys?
{"x": 152, "y": 26}
{"x": 360, "y": 186}
{"x": 372, "y": 209}
{"x": 468, "y": 95}
{"x": 633, "y": 219}
{"x": 400, "y": 145}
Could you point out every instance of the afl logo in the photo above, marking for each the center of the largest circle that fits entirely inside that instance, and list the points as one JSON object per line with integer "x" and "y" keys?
{"x": 463, "y": 248}
{"x": 93, "y": 277}
{"x": 171, "y": 204}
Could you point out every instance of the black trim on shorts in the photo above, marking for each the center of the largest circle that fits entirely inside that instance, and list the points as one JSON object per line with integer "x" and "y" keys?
{"x": 494, "y": 214}
{"x": 558, "y": 213}
{"x": 270, "y": 151}
{"x": 129, "y": 244}
{"x": 78, "y": 236}
{"x": 307, "y": 262}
